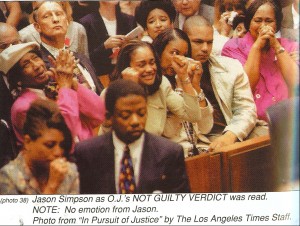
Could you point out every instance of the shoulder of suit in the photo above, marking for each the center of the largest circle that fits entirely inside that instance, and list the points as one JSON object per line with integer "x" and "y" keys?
{"x": 89, "y": 17}
{"x": 162, "y": 142}
{"x": 164, "y": 82}
{"x": 225, "y": 62}
{"x": 92, "y": 144}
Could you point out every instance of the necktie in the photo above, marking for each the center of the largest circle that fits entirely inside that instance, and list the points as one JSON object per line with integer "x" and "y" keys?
{"x": 126, "y": 178}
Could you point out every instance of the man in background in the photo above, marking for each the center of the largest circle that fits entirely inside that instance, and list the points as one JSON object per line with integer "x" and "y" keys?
{"x": 187, "y": 8}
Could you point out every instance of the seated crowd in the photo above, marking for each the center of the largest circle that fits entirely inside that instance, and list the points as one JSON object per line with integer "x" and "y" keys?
{"x": 96, "y": 109}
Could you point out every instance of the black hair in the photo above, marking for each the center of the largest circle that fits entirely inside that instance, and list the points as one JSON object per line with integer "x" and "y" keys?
{"x": 163, "y": 39}
{"x": 143, "y": 10}
{"x": 45, "y": 114}
{"x": 237, "y": 20}
{"x": 258, "y": 3}
{"x": 124, "y": 59}
{"x": 223, "y": 5}
{"x": 121, "y": 88}
{"x": 168, "y": 35}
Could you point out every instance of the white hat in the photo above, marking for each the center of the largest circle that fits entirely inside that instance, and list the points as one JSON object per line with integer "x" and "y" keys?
{"x": 11, "y": 55}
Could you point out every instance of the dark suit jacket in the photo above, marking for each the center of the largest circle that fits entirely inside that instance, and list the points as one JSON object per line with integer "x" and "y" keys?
{"x": 6, "y": 100}
{"x": 162, "y": 166}
{"x": 97, "y": 35}
{"x": 84, "y": 62}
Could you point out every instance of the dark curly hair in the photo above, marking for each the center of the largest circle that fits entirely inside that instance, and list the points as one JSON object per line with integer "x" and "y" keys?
{"x": 163, "y": 39}
{"x": 168, "y": 35}
{"x": 45, "y": 114}
{"x": 124, "y": 59}
{"x": 143, "y": 10}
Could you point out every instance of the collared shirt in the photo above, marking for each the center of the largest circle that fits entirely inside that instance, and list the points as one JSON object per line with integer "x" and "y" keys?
{"x": 136, "y": 149}
{"x": 16, "y": 178}
{"x": 54, "y": 51}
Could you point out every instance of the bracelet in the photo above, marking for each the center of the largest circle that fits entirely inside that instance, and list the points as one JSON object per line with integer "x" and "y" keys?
{"x": 201, "y": 95}
{"x": 185, "y": 81}
{"x": 281, "y": 50}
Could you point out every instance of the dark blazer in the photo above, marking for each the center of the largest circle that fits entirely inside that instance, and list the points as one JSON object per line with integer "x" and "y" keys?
{"x": 84, "y": 62}
{"x": 97, "y": 35}
{"x": 6, "y": 100}
{"x": 162, "y": 166}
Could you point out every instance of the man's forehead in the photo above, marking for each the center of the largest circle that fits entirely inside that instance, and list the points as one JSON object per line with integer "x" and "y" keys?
{"x": 49, "y": 6}
{"x": 130, "y": 100}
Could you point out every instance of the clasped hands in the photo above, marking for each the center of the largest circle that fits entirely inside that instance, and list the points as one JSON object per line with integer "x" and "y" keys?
{"x": 266, "y": 38}
{"x": 62, "y": 70}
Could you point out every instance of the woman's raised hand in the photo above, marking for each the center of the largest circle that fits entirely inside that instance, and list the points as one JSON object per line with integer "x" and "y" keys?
{"x": 64, "y": 65}
{"x": 57, "y": 171}
{"x": 266, "y": 36}
{"x": 180, "y": 66}
{"x": 130, "y": 73}
{"x": 195, "y": 72}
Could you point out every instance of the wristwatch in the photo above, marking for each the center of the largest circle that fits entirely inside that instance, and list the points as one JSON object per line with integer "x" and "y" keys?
{"x": 280, "y": 50}
{"x": 201, "y": 95}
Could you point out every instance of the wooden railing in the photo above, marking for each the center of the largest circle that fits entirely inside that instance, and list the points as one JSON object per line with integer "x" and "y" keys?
{"x": 241, "y": 167}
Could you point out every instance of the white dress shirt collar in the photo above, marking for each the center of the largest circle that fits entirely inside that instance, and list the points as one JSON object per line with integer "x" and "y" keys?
{"x": 54, "y": 51}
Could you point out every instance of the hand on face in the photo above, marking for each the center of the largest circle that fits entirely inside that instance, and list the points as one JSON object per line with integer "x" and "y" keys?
{"x": 195, "y": 72}
{"x": 57, "y": 171}
{"x": 180, "y": 66}
{"x": 225, "y": 27}
{"x": 184, "y": 66}
{"x": 266, "y": 36}
{"x": 130, "y": 73}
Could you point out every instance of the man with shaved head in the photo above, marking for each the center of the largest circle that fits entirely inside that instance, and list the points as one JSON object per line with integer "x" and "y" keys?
{"x": 226, "y": 85}
{"x": 9, "y": 35}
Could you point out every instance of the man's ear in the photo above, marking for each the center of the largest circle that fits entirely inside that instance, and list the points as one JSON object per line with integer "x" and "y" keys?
{"x": 37, "y": 27}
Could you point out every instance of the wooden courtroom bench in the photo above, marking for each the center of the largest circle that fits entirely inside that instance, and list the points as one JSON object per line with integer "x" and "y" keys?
{"x": 241, "y": 167}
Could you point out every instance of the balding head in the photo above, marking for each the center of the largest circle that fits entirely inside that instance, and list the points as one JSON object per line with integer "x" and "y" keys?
{"x": 195, "y": 21}
{"x": 9, "y": 35}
